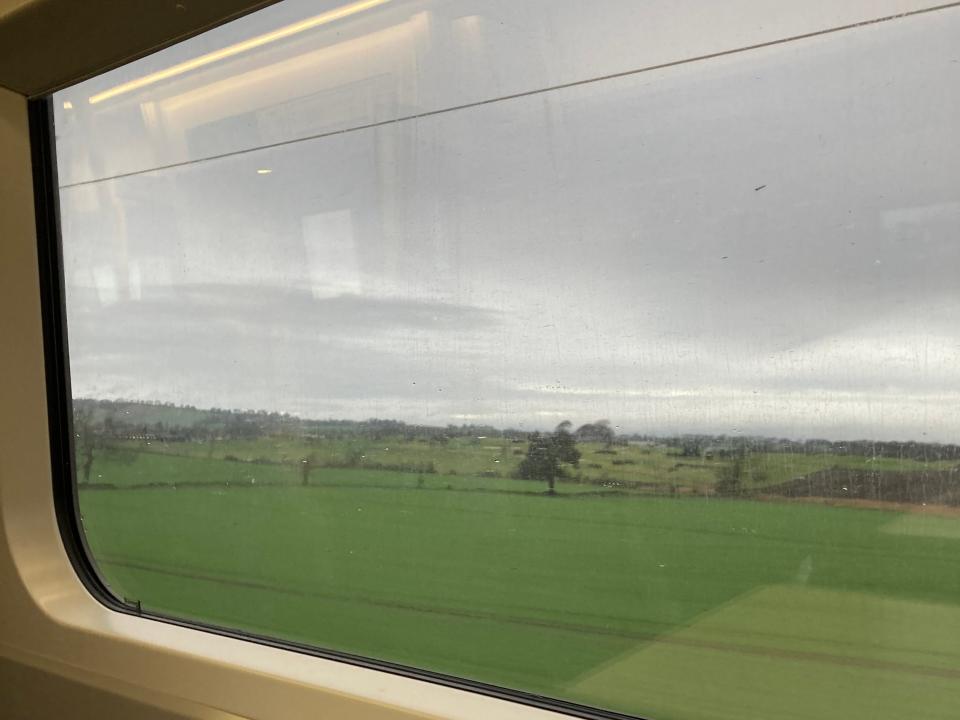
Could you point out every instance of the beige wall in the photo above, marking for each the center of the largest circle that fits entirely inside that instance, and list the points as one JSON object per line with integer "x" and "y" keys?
{"x": 8, "y": 6}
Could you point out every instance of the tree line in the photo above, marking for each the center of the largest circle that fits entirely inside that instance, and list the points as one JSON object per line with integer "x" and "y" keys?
{"x": 108, "y": 426}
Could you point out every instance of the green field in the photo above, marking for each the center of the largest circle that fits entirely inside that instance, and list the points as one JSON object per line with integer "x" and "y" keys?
{"x": 609, "y": 598}
{"x": 620, "y": 465}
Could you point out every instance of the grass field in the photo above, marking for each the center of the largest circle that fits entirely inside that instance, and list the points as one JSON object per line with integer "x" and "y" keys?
{"x": 618, "y": 600}
{"x": 651, "y": 464}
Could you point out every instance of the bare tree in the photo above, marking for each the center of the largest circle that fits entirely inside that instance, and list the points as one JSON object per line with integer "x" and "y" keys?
{"x": 87, "y": 440}
{"x": 307, "y": 463}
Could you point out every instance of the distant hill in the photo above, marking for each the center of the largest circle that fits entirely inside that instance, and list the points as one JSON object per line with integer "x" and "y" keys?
{"x": 183, "y": 422}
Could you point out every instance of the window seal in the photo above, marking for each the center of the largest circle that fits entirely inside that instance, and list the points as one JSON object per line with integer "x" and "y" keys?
{"x": 63, "y": 465}
{"x": 56, "y": 352}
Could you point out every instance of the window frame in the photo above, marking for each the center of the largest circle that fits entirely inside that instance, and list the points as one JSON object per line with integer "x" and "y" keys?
{"x": 62, "y": 467}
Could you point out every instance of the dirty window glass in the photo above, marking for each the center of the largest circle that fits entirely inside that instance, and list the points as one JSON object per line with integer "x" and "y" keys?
{"x": 606, "y": 352}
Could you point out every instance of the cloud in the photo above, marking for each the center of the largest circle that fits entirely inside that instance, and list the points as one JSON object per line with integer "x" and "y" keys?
{"x": 763, "y": 243}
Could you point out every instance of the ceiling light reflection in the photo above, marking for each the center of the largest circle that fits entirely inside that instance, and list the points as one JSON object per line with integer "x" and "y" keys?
{"x": 236, "y": 49}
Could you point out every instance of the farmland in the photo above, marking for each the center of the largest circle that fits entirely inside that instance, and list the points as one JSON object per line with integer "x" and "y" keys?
{"x": 622, "y": 466}
{"x": 613, "y": 592}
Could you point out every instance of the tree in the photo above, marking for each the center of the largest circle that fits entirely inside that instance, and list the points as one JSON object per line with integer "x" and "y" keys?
{"x": 565, "y": 444}
{"x": 307, "y": 464}
{"x": 606, "y": 432}
{"x": 87, "y": 440}
{"x": 691, "y": 447}
{"x": 600, "y": 431}
{"x": 548, "y": 454}
{"x": 96, "y": 441}
{"x": 732, "y": 478}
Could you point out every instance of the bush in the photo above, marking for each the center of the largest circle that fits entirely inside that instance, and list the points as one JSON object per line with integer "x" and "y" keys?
{"x": 732, "y": 478}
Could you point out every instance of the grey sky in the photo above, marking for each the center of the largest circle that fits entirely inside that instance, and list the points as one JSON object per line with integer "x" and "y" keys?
{"x": 764, "y": 242}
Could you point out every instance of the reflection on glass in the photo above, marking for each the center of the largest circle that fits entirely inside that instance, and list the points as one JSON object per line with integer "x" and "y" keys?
{"x": 415, "y": 335}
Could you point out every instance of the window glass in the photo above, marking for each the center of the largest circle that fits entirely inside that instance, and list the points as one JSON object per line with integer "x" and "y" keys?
{"x": 601, "y": 351}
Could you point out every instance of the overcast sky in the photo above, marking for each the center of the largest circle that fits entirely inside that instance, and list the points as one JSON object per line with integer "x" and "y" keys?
{"x": 761, "y": 243}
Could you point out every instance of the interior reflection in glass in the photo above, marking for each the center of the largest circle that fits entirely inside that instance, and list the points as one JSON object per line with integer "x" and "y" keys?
{"x": 515, "y": 342}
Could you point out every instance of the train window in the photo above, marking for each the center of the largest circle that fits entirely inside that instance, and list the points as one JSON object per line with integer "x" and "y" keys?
{"x": 600, "y": 355}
